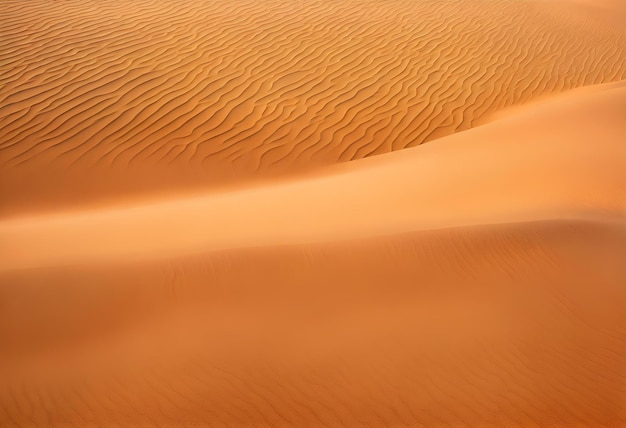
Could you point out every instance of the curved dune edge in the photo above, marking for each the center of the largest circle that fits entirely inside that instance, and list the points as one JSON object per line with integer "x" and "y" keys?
{"x": 135, "y": 97}
{"x": 477, "y": 281}
{"x": 499, "y": 325}
{"x": 491, "y": 326}
{"x": 562, "y": 158}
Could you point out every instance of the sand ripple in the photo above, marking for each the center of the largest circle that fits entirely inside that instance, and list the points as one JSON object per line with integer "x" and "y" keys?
{"x": 236, "y": 88}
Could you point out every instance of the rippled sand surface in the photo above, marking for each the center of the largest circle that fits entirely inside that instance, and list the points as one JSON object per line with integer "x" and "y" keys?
{"x": 325, "y": 213}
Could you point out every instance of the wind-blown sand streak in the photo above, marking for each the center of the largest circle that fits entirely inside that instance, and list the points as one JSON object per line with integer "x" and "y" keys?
{"x": 146, "y": 95}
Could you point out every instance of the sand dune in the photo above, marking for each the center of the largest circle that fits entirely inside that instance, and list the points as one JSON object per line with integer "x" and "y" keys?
{"x": 194, "y": 229}
{"x": 479, "y": 326}
{"x": 526, "y": 166}
{"x": 492, "y": 297}
{"x": 124, "y": 97}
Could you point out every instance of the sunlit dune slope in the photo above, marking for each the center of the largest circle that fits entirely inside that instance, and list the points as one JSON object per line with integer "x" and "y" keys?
{"x": 182, "y": 245}
{"x": 475, "y": 281}
{"x": 100, "y": 99}
{"x": 560, "y": 158}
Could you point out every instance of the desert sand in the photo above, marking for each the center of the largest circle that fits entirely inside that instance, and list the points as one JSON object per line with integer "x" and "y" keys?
{"x": 128, "y": 98}
{"x": 285, "y": 213}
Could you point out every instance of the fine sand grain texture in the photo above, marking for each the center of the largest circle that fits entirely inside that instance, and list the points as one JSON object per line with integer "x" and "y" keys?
{"x": 221, "y": 213}
{"x": 101, "y": 99}
{"x": 493, "y": 326}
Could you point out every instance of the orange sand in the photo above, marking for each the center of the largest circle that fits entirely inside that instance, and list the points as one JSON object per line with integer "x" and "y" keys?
{"x": 151, "y": 96}
{"x": 190, "y": 234}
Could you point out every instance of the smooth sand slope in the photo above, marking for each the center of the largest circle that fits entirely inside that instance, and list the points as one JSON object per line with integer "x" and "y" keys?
{"x": 562, "y": 158}
{"x": 102, "y": 99}
{"x": 183, "y": 241}
{"x": 494, "y": 295}
{"x": 515, "y": 326}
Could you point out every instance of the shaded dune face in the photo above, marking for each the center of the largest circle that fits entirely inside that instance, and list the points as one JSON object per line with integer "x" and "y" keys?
{"x": 123, "y": 97}
{"x": 479, "y": 326}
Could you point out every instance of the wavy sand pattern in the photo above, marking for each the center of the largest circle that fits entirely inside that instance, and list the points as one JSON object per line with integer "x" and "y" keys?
{"x": 229, "y": 89}
{"x": 194, "y": 229}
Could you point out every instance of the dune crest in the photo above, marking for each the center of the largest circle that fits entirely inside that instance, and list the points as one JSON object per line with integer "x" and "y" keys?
{"x": 525, "y": 167}
{"x": 151, "y": 96}
{"x": 222, "y": 213}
